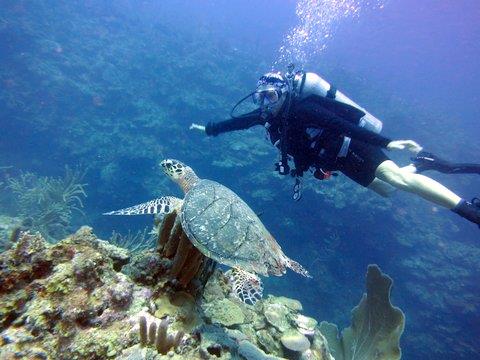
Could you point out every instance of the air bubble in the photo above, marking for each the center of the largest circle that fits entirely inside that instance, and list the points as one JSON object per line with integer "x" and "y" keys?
{"x": 318, "y": 20}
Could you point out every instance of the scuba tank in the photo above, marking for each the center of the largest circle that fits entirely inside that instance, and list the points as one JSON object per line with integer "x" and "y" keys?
{"x": 308, "y": 83}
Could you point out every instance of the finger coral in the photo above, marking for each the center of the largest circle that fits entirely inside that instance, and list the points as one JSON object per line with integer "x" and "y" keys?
{"x": 157, "y": 335}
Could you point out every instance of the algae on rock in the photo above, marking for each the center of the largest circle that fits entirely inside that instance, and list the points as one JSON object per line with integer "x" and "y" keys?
{"x": 224, "y": 312}
{"x": 77, "y": 306}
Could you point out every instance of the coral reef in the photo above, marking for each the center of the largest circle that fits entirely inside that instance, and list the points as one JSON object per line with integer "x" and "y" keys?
{"x": 272, "y": 328}
{"x": 74, "y": 300}
{"x": 65, "y": 300}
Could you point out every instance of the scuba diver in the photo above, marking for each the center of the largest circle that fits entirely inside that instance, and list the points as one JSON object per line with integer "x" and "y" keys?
{"x": 322, "y": 130}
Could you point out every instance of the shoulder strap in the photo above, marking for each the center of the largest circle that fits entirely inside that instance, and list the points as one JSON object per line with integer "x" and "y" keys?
{"x": 332, "y": 92}
{"x": 302, "y": 82}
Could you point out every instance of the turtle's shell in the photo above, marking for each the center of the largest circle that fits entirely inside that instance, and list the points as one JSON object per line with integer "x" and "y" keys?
{"x": 223, "y": 227}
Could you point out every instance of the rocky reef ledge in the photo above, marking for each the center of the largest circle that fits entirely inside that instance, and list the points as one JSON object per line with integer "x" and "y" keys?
{"x": 83, "y": 298}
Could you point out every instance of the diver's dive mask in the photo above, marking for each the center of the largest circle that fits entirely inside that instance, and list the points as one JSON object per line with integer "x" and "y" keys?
{"x": 266, "y": 95}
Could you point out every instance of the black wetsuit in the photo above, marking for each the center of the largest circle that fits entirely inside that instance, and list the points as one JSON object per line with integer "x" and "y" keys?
{"x": 317, "y": 127}
{"x": 427, "y": 161}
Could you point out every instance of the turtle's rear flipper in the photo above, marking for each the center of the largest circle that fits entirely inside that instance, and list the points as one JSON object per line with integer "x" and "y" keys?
{"x": 295, "y": 266}
{"x": 163, "y": 205}
{"x": 245, "y": 286}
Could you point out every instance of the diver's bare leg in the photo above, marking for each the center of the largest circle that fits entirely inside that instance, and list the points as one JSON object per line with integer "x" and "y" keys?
{"x": 381, "y": 187}
{"x": 385, "y": 189}
{"x": 412, "y": 169}
{"x": 421, "y": 185}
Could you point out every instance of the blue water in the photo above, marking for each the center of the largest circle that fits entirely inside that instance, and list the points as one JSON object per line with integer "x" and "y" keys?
{"x": 113, "y": 87}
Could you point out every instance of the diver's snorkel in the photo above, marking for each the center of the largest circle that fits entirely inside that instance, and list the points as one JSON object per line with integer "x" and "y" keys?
{"x": 239, "y": 102}
{"x": 265, "y": 98}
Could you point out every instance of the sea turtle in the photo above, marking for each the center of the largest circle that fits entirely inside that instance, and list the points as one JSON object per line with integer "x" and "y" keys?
{"x": 222, "y": 226}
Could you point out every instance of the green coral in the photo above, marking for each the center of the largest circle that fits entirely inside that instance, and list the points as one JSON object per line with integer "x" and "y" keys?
{"x": 61, "y": 282}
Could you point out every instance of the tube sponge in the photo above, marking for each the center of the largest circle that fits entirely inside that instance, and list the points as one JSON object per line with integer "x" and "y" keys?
{"x": 157, "y": 336}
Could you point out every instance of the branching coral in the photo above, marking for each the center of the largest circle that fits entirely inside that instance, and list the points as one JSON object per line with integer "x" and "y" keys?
{"x": 49, "y": 202}
{"x": 142, "y": 240}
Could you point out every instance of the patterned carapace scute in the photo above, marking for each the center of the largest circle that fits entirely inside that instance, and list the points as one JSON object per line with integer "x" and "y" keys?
{"x": 226, "y": 229}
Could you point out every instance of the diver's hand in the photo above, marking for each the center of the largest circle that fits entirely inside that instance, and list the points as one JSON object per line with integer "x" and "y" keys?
{"x": 197, "y": 127}
{"x": 405, "y": 144}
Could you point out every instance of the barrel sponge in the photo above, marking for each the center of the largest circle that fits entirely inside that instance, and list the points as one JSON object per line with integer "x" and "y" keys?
{"x": 376, "y": 324}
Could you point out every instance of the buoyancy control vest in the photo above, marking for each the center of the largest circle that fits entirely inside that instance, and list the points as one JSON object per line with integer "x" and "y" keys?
{"x": 309, "y": 83}
{"x": 305, "y": 84}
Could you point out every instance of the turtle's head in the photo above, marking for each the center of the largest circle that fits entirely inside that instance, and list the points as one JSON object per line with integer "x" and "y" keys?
{"x": 182, "y": 174}
{"x": 173, "y": 168}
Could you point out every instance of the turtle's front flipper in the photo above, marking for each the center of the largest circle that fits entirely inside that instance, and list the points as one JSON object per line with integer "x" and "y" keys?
{"x": 295, "y": 266}
{"x": 163, "y": 205}
{"x": 245, "y": 286}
